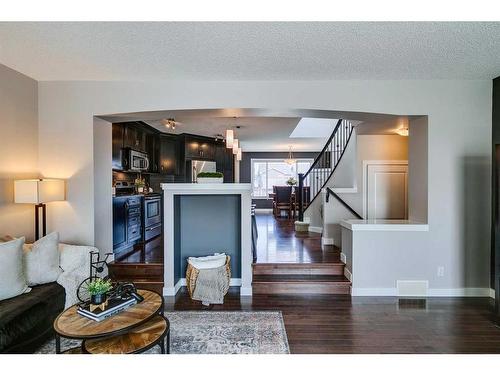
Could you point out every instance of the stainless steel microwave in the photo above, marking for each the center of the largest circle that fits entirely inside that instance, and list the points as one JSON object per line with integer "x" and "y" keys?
{"x": 135, "y": 161}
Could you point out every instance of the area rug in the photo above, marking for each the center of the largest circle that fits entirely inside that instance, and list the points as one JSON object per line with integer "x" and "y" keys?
{"x": 216, "y": 332}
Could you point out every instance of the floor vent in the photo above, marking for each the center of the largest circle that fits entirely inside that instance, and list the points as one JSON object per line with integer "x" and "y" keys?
{"x": 412, "y": 288}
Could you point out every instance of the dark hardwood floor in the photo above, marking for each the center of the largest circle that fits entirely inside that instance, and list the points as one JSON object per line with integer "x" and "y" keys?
{"x": 344, "y": 324}
{"x": 279, "y": 243}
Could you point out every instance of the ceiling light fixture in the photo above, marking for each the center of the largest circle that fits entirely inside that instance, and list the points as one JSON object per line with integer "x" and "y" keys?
{"x": 404, "y": 132}
{"x": 290, "y": 160}
{"x": 169, "y": 123}
{"x": 229, "y": 138}
{"x": 238, "y": 155}
{"x": 236, "y": 144}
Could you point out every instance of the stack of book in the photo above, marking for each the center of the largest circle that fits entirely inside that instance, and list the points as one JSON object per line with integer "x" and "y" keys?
{"x": 113, "y": 307}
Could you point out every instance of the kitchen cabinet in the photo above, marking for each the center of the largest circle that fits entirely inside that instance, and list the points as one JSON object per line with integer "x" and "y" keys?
{"x": 119, "y": 222}
{"x": 168, "y": 155}
{"x": 134, "y": 137}
{"x": 225, "y": 161}
{"x": 199, "y": 148}
{"x": 127, "y": 223}
{"x": 117, "y": 146}
{"x": 153, "y": 150}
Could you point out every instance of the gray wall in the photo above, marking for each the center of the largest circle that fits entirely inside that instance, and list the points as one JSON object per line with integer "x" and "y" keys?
{"x": 459, "y": 126}
{"x": 246, "y": 168}
{"x": 207, "y": 224}
{"x": 19, "y": 124}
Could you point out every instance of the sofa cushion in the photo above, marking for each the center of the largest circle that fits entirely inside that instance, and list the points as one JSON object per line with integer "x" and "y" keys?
{"x": 12, "y": 279}
{"x": 26, "y": 320}
{"x": 41, "y": 260}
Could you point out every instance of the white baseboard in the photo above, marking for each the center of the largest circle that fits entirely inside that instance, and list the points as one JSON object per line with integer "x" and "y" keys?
{"x": 343, "y": 258}
{"x": 492, "y": 293}
{"x": 326, "y": 241}
{"x": 348, "y": 274}
{"x": 182, "y": 282}
{"x": 264, "y": 210}
{"x": 315, "y": 229}
{"x": 245, "y": 291}
{"x": 452, "y": 292}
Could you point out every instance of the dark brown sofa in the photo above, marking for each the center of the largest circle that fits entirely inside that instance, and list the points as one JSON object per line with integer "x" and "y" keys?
{"x": 26, "y": 321}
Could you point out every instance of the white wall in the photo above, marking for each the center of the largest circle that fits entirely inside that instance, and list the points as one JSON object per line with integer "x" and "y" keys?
{"x": 361, "y": 148}
{"x": 19, "y": 150}
{"x": 418, "y": 169}
{"x": 459, "y": 126}
{"x": 103, "y": 201}
{"x": 374, "y": 147}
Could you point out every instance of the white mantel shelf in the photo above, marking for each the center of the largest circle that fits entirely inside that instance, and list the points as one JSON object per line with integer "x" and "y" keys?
{"x": 384, "y": 225}
{"x": 227, "y": 188}
{"x": 170, "y": 191}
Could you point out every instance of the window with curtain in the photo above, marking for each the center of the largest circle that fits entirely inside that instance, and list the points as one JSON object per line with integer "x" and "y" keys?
{"x": 267, "y": 173}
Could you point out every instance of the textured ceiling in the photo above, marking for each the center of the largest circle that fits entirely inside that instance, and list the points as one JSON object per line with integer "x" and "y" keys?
{"x": 251, "y": 51}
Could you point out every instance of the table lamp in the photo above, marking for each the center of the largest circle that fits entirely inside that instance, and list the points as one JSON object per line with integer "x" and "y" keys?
{"x": 39, "y": 192}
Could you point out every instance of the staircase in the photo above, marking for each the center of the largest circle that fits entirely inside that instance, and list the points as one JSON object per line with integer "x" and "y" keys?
{"x": 143, "y": 275}
{"x": 324, "y": 165}
{"x": 302, "y": 278}
{"x": 311, "y": 278}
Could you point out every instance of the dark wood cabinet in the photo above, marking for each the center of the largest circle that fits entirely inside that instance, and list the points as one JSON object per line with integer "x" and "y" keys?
{"x": 117, "y": 146}
{"x": 168, "y": 155}
{"x": 153, "y": 150}
{"x": 225, "y": 161}
{"x": 198, "y": 148}
{"x": 134, "y": 137}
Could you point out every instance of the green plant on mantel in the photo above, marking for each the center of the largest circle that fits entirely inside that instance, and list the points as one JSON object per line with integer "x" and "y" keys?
{"x": 291, "y": 181}
{"x": 210, "y": 175}
{"x": 99, "y": 286}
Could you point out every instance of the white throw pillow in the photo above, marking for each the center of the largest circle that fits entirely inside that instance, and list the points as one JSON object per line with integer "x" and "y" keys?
{"x": 211, "y": 261}
{"x": 74, "y": 257}
{"x": 12, "y": 280}
{"x": 41, "y": 260}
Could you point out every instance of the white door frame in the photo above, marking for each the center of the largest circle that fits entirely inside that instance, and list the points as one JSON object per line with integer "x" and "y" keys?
{"x": 367, "y": 163}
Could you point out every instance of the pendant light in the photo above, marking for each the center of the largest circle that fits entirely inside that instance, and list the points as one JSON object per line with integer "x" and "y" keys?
{"x": 236, "y": 144}
{"x": 238, "y": 155}
{"x": 290, "y": 160}
{"x": 229, "y": 138}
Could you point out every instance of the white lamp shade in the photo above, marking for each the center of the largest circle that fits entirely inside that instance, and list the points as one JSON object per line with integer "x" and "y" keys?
{"x": 38, "y": 191}
{"x": 229, "y": 138}
{"x": 236, "y": 144}
{"x": 238, "y": 155}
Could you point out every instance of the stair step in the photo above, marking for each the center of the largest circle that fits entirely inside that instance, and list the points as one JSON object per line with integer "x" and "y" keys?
{"x": 301, "y": 284}
{"x": 136, "y": 271}
{"x": 336, "y": 268}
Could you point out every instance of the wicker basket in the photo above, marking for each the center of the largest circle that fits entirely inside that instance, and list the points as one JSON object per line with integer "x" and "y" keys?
{"x": 192, "y": 275}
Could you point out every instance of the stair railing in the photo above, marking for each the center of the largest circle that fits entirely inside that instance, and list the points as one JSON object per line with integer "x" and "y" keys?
{"x": 329, "y": 192}
{"x": 324, "y": 165}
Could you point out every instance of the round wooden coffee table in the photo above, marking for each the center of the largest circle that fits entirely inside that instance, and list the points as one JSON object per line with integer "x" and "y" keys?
{"x": 134, "y": 330}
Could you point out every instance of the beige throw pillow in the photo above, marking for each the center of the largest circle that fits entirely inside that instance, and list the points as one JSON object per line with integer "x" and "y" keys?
{"x": 12, "y": 280}
{"x": 41, "y": 260}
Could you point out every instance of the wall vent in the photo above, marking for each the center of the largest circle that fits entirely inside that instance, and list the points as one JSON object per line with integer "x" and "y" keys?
{"x": 412, "y": 288}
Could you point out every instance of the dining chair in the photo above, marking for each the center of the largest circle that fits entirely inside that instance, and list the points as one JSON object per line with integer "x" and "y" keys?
{"x": 282, "y": 200}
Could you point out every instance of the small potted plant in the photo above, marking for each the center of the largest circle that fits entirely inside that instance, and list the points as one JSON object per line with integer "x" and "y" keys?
{"x": 210, "y": 178}
{"x": 98, "y": 290}
{"x": 291, "y": 181}
{"x": 139, "y": 184}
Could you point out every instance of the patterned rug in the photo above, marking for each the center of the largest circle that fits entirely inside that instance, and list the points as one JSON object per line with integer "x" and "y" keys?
{"x": 216, "y": 332}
